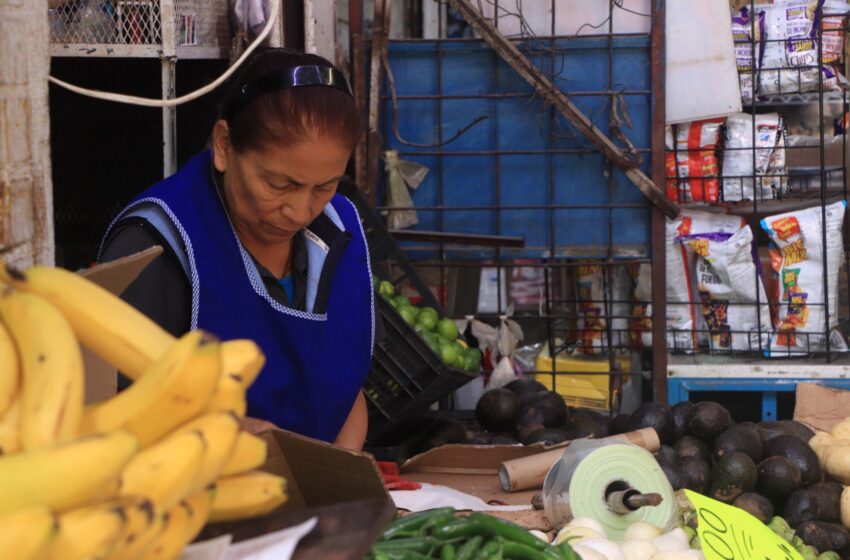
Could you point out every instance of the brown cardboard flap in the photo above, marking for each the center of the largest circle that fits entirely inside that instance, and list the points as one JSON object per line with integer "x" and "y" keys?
{"x": 470, "y": 459}
{"x": 116, "y": 275}
{"x": 819, "y": 407}
{"x": 319, "y": 473}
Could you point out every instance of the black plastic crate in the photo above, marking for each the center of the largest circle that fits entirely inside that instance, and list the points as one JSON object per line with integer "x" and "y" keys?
{"x": 406, "y": 376}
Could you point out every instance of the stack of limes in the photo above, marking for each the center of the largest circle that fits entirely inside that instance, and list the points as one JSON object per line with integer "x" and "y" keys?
{"x": 439, "y": 333}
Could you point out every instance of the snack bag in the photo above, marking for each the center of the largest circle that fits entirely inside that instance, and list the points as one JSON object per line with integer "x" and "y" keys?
{"x": 743, "y": 181}
{"x": 597, "y": 305}
{"x": 695, "y": 158}
{"x": 798, "y": 257}
{"x": 686, "y": 328}
{"x": 640, "y": 324}
{"x": 749, "y": 49}
{"x": 733, "y": 302}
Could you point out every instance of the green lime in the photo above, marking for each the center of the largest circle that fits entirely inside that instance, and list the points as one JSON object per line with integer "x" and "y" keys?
{"x": 419, "y": 329}
{"x": 416, "y": 311}
{"x": 386, "y": 289}
{"x": 392, "y": 302}
{"x": 427, "y": 318}
{"x": 447, "y": 328}
{"x": 406, "y": 313}
{"x": 401, "y": 300}
{"x": 448, "y": 354}
{"x": 431, "y": 340}
{"x": 472, "y": 359}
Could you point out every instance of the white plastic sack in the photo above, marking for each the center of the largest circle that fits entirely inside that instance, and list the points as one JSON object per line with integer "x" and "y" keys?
{"x": 685, "y": 326}
{"x": 799, "y": 259}
{"x": 738, "y": 170}
{"x": 733, "y": 302}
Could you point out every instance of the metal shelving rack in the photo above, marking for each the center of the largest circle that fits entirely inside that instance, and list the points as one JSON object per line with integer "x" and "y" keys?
{"x": 817, "y": 186}
{"x": 168, "y": 30}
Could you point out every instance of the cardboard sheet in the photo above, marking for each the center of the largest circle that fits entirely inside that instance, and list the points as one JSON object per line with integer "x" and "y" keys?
{"x": 819, "y": 407}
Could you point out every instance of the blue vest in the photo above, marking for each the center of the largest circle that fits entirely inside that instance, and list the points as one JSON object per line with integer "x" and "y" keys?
{"x": 315, "y": 363}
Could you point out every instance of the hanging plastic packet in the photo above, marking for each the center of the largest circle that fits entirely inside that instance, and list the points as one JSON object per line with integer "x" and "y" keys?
{"x": 670, "y": 169}
{"x": 743, "y": 178}
{"x": 695, "y": 157}
{"x": 835, "y": 18}
{"x": 746, "y": 34}
{"x": 686, "y": 328}
{"x": 798, "y": 256}
{"x": 733, "y": 301}
{"x": 640, "y": 325}
{"x": 790, "y": 61}
{"x": 596, "y": 307}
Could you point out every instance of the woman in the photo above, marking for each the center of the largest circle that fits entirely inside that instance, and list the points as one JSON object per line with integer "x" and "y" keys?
{"x": 260, "y": 246}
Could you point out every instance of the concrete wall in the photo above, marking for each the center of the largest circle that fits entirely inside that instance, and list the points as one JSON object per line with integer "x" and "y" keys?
{"x": 26, "y": 201}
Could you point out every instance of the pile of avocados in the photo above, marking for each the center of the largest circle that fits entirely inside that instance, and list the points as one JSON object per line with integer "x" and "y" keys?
{"x": 440, "y": 334}
{"x": 767, "y": 469}
{"x": 525, "y": 411}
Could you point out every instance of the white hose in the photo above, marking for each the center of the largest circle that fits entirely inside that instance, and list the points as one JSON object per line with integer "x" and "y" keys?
{"x": 153, "y": 102}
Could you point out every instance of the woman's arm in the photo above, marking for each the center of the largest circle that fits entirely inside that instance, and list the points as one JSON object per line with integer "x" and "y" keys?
{"x": 353, "y": 432}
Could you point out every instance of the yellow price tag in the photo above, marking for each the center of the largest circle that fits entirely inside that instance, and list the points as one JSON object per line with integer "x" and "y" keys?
{"x": 730, "y": 533}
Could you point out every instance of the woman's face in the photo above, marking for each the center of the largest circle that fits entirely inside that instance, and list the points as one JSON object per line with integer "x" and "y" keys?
{"x": 274, "y": 192}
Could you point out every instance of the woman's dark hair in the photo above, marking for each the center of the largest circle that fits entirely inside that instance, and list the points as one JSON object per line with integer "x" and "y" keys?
{"x": 287, "y": 115}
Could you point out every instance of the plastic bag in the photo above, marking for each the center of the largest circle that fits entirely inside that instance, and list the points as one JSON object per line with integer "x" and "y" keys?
{"x": 249, "y": 17}
{"x": 697, "y": 169}
{"x": 401, "y": 176}
{"x": 733, "y": 301}
{"x": 769, "y": 171}
{"x": 798, "y": 256}
{"x": 685, "y": 325}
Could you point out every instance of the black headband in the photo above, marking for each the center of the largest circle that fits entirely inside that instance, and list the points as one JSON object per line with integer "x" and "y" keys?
{"x": 298, "y": 76}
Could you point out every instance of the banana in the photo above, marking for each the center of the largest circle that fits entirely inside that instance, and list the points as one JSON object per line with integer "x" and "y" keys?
{"x": 174, "y": 390}
{"x": 10, "y": 429}
{"x": 10, "y": 373}
{"x": 199, "y": 506}
{"x": 88, "y": 533}
{"x": 144, "y": 525}
{"x": 241, "y": 362}
{"x": 113, "y": 329}
{"x": 165, "y": 472}
{"x": 219, "y": 431}
{"x": 170, "y": 542}
{"x": 26, "y": 534}
{"x": 244, "y": 358}
{"x": 248, "y": 454}
{"x": 64, "y": 475}
{"x": 51, "y": 368}
{"x": 247, "y": 495}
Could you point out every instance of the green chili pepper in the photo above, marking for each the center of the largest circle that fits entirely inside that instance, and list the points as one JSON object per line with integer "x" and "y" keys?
{"x": 469, "y": 548}
{"x": 416, "y": 544}
{"x": 448, "y": 552}
{"x": 409, "y": 524}
{"x": 463, "y": 527}
{"x": 435, "y": 522}
{"x": 567, "y": 552}
{"x": 522, "y": 552}
{"x": 507, "y": 530}
{"x": 490, "y": 547}
{"x": 382, "y": 556}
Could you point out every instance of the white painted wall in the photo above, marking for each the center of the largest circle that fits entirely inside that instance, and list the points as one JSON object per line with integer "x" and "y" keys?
{"x": 26, "y": 188}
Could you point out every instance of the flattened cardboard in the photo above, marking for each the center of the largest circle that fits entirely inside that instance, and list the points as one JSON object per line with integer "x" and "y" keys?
{"x": 318, "y": 473}
{"x": 101, "y": 379}
{"x": 819, "y": 407}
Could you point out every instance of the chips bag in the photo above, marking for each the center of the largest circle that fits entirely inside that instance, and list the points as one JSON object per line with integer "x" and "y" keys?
{"x": 695, "y": 161}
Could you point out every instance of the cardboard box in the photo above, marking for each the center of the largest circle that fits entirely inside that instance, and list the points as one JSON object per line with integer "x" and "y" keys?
{"x": 821, "y": 408}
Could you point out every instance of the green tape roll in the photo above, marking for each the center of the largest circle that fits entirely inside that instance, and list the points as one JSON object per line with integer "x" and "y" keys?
{"x": 632, "y": 465}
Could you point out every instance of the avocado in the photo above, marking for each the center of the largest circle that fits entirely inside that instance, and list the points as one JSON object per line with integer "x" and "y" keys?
{"x": 734, "y": 474}
{"x": 529, "y": 419}
{"x": 697, "y": 474}
{"x": 839, "y": 537}
{"x": 674, "y": 473}
{"x": 525, "y": 385}
{"x": 553, "y": 407}
{"x": 709, "y": 420}
{"x": 797, "y": 429}
{"x": 738, "y": 438}
{"x": 656, "y": 416}
{"x": 801, "y": 506}
{"x": 549, "y": 436}
{"x": 667, "y": 454}
{"x": 828, "y": 497}
{"x": 813, "y": 534}
{"x": 778, "y": 478}
{"x": 583, "y": 423}
{"x": 442, "y": 432}
{"x": 497, "y": 410}
{"x": 767, "y": 434}
{"x": 690, "y": 446}
{"x": 756, "y": 505}
{"x": 682, "y": 413}
{"x": 620, "y": 424}
{"x": 798, "y": 452}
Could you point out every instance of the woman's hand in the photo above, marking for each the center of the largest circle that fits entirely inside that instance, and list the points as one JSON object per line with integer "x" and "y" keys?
{"x": 255, "y": 425}
{"x": 353, "y": 432}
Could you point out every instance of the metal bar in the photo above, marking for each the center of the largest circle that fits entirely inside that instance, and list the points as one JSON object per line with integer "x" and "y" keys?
{"x": 659, "y": 246}
{"x": 380, "y": 30}
{"x": 562, "y": 151}
{"x": 553, "y": 95}
{"x": 358, "y": 77}
{"x": 459, "y": 238}
{"x": 519, "y": 39}
{"x": 169, "y": 118}
{"x": 508, "y": 95}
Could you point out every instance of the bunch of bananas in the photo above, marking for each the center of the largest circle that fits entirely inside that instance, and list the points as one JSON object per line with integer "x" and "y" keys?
{"x": 138, "y": 475}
